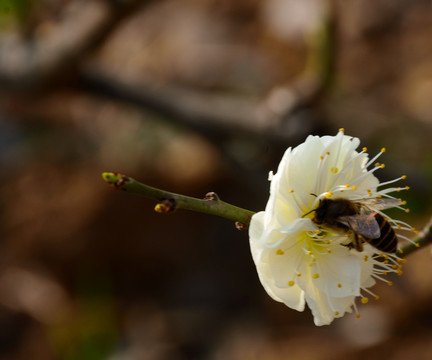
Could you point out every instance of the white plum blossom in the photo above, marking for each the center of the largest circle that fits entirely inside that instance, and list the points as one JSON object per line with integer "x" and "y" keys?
{"x": 300, "y": 262}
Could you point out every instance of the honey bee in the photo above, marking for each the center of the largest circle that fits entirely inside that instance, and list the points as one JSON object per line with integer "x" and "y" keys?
{"x": 359, "y": 217}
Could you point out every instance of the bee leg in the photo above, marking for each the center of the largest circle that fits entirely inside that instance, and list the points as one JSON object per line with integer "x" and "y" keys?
{"x": 357, "y": 242}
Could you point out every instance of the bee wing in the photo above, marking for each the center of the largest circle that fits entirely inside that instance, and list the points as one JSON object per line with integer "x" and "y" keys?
{"x": 380, "y": 203}
{"x": 365, "y": 225}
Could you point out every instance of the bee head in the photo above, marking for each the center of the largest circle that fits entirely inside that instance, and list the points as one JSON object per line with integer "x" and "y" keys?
{"x": 313, "y": 210}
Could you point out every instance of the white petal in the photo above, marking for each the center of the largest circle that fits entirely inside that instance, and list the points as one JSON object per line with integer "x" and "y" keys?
{"x": 270, "y": 278}
{"x": 325, "y": 309}
{"x": 339, "y": 273}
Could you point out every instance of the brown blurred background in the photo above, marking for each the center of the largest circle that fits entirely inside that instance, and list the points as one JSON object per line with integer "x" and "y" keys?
{"x": 194, "y": 96}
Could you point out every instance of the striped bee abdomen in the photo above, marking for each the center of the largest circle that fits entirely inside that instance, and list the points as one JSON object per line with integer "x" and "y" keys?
{"x": 387, "y": 242}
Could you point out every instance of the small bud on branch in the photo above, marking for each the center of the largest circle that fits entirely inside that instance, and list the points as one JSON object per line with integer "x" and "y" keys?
{"x": 168, "y": 201}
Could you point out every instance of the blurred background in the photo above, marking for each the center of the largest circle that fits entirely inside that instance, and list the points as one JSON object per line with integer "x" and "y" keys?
{"x": 194, "y": 96}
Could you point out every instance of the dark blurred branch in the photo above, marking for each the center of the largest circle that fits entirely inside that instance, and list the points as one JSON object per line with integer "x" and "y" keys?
{"x": 87, "y": 23}
{"x": 84, "y": 25}
{"x": 272, "y": 116}
{"x": 202, "y": 111}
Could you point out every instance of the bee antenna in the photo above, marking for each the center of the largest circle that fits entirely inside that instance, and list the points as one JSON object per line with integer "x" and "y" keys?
{"x": 313, "y": 194}
{"x": 308, "y": 212}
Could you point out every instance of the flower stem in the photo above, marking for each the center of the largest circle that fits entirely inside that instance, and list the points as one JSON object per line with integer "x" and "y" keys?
{"x": 424, "y": 238}
{"x": 169, "y": 202}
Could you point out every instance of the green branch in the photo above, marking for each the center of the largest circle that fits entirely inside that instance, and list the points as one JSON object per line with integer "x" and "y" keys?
{"x": 169, "y": 202}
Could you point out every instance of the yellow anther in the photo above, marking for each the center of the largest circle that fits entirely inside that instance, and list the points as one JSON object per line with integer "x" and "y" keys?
{"x": 280, "y": 252}
{"x": 366, "y": 258}
{"x": 413, "y": 229}
{"x": 384, "y": 273}
{"x": 407, "y": 210}
{"x": 383, "y": 149}
{"x": 315, "y": 276}
{"x": 347, "y": 186}
{"x": 379, "y": 196}
{"x": 394, "y": 266}
{"x": 407, "y": 188}
{"x": 403, "y": 261}
{"x": 358, "y": 316}
{"x": 399, "y": 272}
{"x": 382, "y": 166}
{"x": 403, "y": 177}
{"x": 321, "y": 157}
{"x": 291, "y": 190}
{"x": 364, "y": 149}
{"x": 417, "y": 245}
{"x": 327, "y": 152}
{"x": 341, "y": 129}
{"x": 339, "y": 285}
{"x": 399, "y": 226}
{"x": 336, "y": 170}
{"x": 317, "y": 232}
{"x": 369, "y": 192}
{"x": 377, "y": 164}
{"x": 291, "y": 283}
{"x": 299, "y": 274}
{"x": 336, "y": 313}
{"x": 417, "y": 232}
{"x": 364, "y": 300}
{"x": 329, "y": 251}
{"x": 377, "y": 297}
{"x": 328, "y": 194}
{"x": 353, "y": 187}
{"x": 404, "y": 202}
{"x": 389, "y": 283}
{"x": 309, "y": 252}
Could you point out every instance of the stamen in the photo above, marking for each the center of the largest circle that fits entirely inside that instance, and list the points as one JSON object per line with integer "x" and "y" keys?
{"x": 280, "y": 252}
{"x": 371, "y": 293}
{"x": 374, "y": 158}
{"x": 403, "y": 177}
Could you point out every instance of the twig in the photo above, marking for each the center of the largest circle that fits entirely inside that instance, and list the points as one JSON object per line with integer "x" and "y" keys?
{"x": 424, "y": 238}
{"x": 169, "y": 202}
